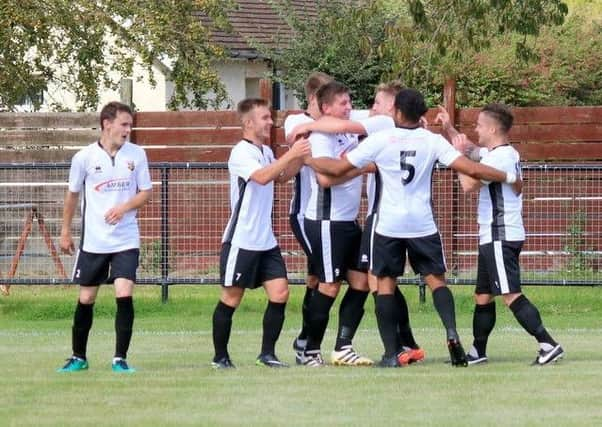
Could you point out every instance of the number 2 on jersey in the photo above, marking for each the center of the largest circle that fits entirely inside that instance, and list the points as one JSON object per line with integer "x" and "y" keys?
{"x": 406, "y": 166}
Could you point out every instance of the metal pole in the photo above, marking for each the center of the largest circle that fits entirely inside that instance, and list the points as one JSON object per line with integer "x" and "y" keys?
{"x": 164, "y": 233}
{"x": 421, "y": 290}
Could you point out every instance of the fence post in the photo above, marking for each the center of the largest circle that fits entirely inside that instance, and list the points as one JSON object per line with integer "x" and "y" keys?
{"x": 164, "y": 233}
{"x": 449, "y": 100}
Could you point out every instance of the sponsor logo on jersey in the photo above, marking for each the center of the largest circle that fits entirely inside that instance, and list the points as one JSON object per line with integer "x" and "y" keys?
{"x": 118, "y": 184}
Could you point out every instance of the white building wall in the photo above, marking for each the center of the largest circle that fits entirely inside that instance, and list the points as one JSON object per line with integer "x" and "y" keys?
{"x": 240, "y": 77}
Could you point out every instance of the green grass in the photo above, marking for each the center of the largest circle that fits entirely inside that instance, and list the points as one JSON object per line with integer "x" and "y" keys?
{"x": 174, "y": 384}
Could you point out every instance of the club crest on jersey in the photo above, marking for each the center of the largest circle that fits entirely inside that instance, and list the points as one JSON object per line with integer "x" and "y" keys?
{"x": 131, "y": 166}
{"x": 97, "y": 169}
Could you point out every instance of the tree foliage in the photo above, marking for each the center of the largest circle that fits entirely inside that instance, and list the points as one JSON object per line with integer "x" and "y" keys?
{"x": 417, "y": 41}
{"x": 342, "y": 40}
{"x": 84, "y": 45}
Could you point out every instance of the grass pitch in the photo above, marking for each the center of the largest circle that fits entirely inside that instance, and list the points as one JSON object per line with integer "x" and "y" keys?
{"x": 175, "y": 385}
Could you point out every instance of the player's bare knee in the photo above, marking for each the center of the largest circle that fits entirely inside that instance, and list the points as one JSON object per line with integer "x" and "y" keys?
{"x": 510, "y": 298}
{"x": 483, "y": 299}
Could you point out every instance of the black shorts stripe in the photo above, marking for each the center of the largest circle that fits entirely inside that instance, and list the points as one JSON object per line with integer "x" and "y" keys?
{"x": 242, "y": 185}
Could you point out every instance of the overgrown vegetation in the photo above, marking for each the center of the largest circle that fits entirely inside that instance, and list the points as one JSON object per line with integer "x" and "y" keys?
{"x": 521, "y": 53}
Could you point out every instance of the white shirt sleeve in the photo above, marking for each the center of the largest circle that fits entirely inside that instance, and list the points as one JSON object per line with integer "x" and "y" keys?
{"x": 77, "y": 172}
{"x": 321, "y": 145}
{"x": 143, "y": 179}
{"x": 377, "y": 123}
{"x": 242, "y": 162}
{"x": 294, "y": 120}
{"x": 446, "y": 153}
{"x": 366, "y": 152}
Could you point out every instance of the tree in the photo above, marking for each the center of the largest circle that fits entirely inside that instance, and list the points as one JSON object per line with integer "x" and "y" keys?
{"x": 418, "y": 41}
{"x": 83, "y": 45}
{"x": 342, "y": 40}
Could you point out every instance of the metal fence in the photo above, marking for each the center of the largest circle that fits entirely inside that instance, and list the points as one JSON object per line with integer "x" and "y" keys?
{"x": 181, "y": 227}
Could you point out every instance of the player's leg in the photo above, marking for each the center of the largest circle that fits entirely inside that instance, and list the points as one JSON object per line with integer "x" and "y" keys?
{"x": 272, "y": 273}
{"x": 409, "y": 351}
{"x": 351, "y": 311}
{"x": 387, "y": 317}
{"x": 508, "y": 276}
{"x": 484, "y": 315}
{"x": 427, "y": 258}
{"x": 387, "y": 263}
{"x": 237, "y": 272}
{"x": 322, "y": 258}
{"x": 311, "y": 283}
{"x": 229, "y": 300}
{"x": 90, "y": 270}
{"x": 123, "y": 275}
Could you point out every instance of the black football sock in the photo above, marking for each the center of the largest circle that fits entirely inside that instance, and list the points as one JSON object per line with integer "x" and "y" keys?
{"x": 124, "y": 321}
{"x": 387, "y": 317}
{"x": 444, "y": 303}
{"x": 528, "y": 317}
{"x": 305, "y": 313}
{"x": 319, "y": 309}
{"x": 483, "y": 321}
{"x": 82, "y": 323}
{"x": 273, "y": 319}
{"x": 222, "y": 325}
{"x": 351, "y": 312}
{"x": 406, "y": 337}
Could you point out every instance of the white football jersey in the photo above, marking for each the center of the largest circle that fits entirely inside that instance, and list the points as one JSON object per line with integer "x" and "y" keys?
{"x": 405, "y": 159}
{"x": 250, "y": 223}
{"x": 500, "y": 209}
{"x": 107, "y": 182}
{"x": 302, "y": 186}
{"x": 339, "y": 202}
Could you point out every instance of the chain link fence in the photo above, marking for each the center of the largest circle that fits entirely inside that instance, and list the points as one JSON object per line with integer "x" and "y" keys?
{"x": 181, "y": 227}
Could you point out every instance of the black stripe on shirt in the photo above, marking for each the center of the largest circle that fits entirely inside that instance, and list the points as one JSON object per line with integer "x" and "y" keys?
{"x": 242, "y": 185}
{"x": 83, "y": 226}
{"x": 324, "y": 202}
{"x": 296, "y": 205}
{"x": 498, "y": 229}
{"x": 378, "y": 187}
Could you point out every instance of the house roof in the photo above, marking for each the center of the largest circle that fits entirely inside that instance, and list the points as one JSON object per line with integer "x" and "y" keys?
{"x": 257, "y": 21}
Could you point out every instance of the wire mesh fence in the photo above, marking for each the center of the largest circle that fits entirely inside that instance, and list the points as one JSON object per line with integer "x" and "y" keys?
{"x": 181, "y": 227}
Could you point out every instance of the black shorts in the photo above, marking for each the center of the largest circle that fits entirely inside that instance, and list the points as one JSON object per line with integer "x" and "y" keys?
{"x": 92, "y": 269}
{"x": 249, "y": 269}
{"x": 298, "y": 228}
{"x": 366, "y": 245}
{"x": 498, "y": 272}
{"x": 335, "y": 247}
{"x": 425, "y": 255}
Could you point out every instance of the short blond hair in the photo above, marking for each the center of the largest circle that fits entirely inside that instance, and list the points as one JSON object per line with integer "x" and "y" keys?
{"x": 315, "y": 81}
{"x": 391, "y": 88}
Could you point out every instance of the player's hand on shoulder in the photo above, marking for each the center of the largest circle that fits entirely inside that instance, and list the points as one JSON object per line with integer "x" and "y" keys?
{"x": 298, "y": 132}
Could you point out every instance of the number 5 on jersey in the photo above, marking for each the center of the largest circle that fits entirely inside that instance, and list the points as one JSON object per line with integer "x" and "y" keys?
{"x": 406, "y": 166}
